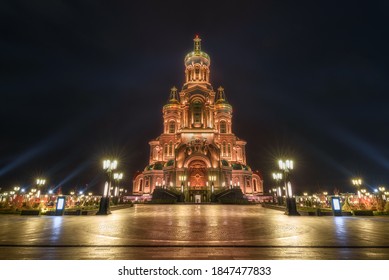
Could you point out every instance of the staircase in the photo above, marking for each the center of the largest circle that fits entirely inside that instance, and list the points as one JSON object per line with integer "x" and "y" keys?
{"x": 166, "y": 196}
{"x": 225, "y": 195}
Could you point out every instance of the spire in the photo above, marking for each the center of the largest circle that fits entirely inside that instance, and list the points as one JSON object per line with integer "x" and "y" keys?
{"x": 197, "y": 44}
{"x": 173, "y": 95}
{"x": 220, "y": 95}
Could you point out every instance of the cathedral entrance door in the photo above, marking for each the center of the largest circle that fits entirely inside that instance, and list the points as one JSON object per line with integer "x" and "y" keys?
{"x": 197, "y": 174}
{"x": 198, "y": 180}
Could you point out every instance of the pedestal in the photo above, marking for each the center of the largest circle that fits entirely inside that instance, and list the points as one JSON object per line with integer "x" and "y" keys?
{"x": 291, "y": 209}
{"x": 104, "y": 207}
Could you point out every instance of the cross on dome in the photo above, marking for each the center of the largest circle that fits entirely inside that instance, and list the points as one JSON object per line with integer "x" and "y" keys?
{"x": 197, "y": 44}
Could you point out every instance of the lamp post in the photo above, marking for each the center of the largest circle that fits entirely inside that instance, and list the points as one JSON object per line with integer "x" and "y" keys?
{"x": 277, "y": 177}
{"x": 357, "y": 182}
{"x": 325, "y": 198}
{"x": 72, "y": 203}
{"x": 382, "y": 190}
{"x": 117, "y": 177}
{"x": 188, "y": 192}
{"x": 275, "y": 198}
{"x": 11, "y": 197}
{"x": 182, "y": 179}
{"x": 286, "y": 166}
{"x": 108, "y": 166}
{"x": 305, "y": 199}
{"x": 39, "y": 183}
{"x": 121, "y": 195}
{"x": 212, "y": 179}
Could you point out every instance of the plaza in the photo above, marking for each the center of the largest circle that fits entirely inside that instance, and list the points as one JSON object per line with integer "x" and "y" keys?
{"x": 194, "y": 231}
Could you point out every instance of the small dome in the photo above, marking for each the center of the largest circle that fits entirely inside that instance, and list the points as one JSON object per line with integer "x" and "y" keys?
{"x": 173, "y": 103}
{"x": 155, "y": 166}
{"x": 239, "y": 166}
{"x": 197, "y": 56}
{"x": 136, "y": 174}
{"x": 169, "y": 163}
{"x": 225, "y": 163}
{"x": 258, "y": 173}
{"x": 194, "y": 58}
{"x": 221, "y": 102}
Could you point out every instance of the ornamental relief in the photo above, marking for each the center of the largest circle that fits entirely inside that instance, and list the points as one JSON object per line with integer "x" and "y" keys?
{"x": 197, "y": 146}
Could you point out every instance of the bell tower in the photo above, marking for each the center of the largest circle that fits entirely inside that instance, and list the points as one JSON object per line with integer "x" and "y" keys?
{"x": 197, "y": 65}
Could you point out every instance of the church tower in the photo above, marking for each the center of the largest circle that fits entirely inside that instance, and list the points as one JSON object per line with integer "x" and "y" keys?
{"x": 197, "y": 153}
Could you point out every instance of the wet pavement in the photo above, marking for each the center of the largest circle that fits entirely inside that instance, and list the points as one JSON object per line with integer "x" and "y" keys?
{"x": 194, "y": 232}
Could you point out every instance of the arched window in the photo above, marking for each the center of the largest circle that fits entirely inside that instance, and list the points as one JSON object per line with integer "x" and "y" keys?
{"x": 172, "y": 127}
{"x": 155, "y": 153}
{"x": 255, "y": 184}
{"x": 229, "y": 149}
{"x": 158, "y": 182}
{"x": 223, "y": 127}
{"x": 224, "y": 148}
{"x": 140, "y": 186}
{"x": 166, "y": 150}
{"x": 147, "y": 183}
{"x": 239, "y": 153}
{"x": 197, "y": 69}
{"x": 197, "y": 112}
{"x": 170, "y": 148}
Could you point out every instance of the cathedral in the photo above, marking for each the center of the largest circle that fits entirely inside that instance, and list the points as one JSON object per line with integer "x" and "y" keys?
{"x": 197, "y": 154}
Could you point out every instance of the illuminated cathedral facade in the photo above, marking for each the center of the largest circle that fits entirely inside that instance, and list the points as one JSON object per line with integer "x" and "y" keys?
{"x": 197, "y": 154}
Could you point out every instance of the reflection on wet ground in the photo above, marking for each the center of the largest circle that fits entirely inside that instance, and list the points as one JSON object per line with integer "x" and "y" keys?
{"x": 194, "y": 232}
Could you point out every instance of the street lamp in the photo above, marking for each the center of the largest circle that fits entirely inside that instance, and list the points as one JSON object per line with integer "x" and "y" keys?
{"x": 108, "y": 166}
{"x": 386, "y": 195}
{"x": 277, "y": 177}
{"x": 305, "y": 198}
{"x": 188, "y": 191}
{"x": 39, "y": 183}
{"x": 212, "y": 179}
{"x": 325, "y": 198}
{"x": 357, "y": 182}
{"x": 12, "y": 195}
{"x": 182, "y": 179}
{"x": 117, "y": 177}
{"x": 121, "y": 195}
{"x": 382, "y": 190}
{"x": 286, "y": 166}
{"x": 275, "y": 195}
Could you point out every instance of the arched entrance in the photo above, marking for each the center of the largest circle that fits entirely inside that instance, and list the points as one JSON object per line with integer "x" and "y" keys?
{"x": 197, "y": 193}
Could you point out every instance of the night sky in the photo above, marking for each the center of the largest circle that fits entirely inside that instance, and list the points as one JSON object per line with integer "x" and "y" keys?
{"x": 84, "y": 80}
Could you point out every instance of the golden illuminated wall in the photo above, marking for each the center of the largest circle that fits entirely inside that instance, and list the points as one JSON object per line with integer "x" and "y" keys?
{"x": 197, "y": 141}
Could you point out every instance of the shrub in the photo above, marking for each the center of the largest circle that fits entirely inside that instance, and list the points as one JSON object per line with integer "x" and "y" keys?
{"x": 362, "y": 213}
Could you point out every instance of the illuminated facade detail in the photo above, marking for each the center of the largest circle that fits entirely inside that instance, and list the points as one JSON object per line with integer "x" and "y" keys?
{"x": 197, "y": 142}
